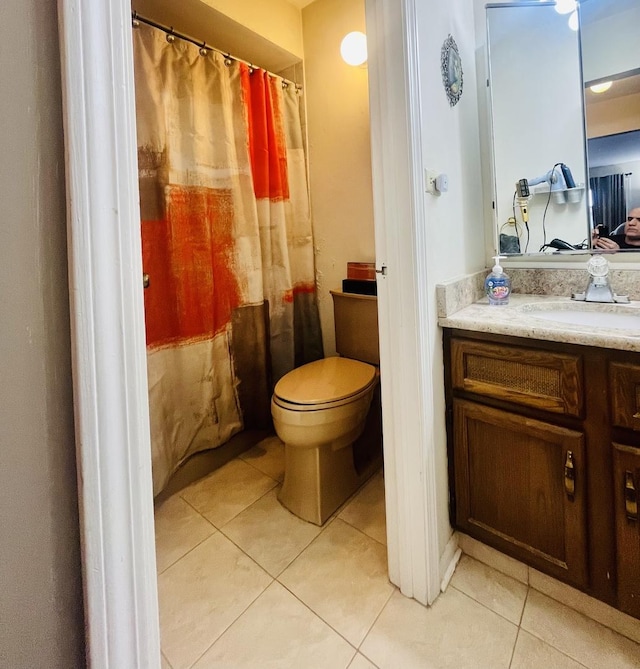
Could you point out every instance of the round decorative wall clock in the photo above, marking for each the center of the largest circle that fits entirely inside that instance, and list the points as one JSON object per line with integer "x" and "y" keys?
{"x": 451, "y": 66}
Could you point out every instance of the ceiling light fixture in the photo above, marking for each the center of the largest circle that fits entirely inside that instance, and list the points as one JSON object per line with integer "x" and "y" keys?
{"x": 353, "y": 49}
{"x": 573, "y": 21}
{"x": 566, "y": 6}
{"x": 601, "y": 88}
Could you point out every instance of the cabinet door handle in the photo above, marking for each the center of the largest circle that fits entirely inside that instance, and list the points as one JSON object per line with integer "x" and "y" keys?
{"x": 630, "y": 497}
{"x": 570, "y": 475}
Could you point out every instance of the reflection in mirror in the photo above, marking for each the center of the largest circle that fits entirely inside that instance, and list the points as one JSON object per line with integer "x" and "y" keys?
{"x": 538, "y": 129}
{"x": 532, "y": 118}
{"x": 611, "y": 70}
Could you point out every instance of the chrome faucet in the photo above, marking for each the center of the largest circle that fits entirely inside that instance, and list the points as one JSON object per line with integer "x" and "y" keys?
{"x": 599, "y": 287}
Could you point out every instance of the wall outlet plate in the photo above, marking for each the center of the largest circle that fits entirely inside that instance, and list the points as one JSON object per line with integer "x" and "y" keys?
{"x": 442, "y": 183}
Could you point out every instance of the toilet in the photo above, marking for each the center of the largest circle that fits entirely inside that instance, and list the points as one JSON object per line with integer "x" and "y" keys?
{"x": 320, "y": 409}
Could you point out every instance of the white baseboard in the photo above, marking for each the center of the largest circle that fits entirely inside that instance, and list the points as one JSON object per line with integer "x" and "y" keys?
{"x": 449, "y": 561}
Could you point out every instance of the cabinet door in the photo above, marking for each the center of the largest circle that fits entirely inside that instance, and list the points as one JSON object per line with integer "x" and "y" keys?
{"x": 626, "y": 473}
{"x": 520, "y": 486}
{"x": 624, "y": 385}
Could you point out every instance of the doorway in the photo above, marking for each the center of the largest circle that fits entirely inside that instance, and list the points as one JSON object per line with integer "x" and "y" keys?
{"x": 109, "y": 352}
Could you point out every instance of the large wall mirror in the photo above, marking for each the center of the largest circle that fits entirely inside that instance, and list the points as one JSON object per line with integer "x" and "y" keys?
{"x": 565, "y": 111}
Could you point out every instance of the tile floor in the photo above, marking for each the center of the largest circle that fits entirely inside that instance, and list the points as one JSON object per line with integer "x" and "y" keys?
{"x": 243, "y": 584}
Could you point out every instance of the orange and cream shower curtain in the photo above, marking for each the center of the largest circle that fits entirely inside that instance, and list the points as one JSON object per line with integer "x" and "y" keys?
{"x": 226, "y": 241}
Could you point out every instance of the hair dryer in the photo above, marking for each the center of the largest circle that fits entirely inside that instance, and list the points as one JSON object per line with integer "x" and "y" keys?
{"x": 556, "y": 181}
{"x": 554, "y": 177}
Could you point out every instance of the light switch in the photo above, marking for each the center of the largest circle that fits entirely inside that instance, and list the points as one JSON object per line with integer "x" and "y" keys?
{"x": 430, "y": 177}
{"x": 435, "y": 183}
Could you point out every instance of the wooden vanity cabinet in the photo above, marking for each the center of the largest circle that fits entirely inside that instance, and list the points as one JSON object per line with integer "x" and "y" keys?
{"x": 544, "y": 457}
{"x": 626, "y": 473}
{"x": 624, "y": 383}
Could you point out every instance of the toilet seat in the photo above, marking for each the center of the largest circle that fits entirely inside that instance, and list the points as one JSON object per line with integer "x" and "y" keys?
{"x": 325, "y": 384}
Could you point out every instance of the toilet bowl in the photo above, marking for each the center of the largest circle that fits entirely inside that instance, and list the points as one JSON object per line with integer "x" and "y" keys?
{"x": 319, "y": 410}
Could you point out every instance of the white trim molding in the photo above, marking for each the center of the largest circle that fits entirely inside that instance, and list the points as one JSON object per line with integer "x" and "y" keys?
{"x": 403, "y": 301}
{"x": 109, "y": 355}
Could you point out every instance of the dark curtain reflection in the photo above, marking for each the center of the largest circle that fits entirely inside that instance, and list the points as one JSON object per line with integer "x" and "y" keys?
{"x": 609, "y": 209}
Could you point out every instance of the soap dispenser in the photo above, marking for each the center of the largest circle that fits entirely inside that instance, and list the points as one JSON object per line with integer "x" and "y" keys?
{"x": 497, "y": 285}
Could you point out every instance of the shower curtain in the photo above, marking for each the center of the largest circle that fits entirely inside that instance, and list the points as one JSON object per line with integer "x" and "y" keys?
{"x": 226, "y": 241}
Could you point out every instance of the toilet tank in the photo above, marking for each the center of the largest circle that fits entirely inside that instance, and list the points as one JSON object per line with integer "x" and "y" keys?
{"x": 356, "y": 324}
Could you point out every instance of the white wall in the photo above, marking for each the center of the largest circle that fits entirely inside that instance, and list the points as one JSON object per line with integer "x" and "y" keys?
{"x": 40, "y": 575}
{"x": 610, "y": 46}
{"x": 450, "y": 144}
{"x": 339, "y": 150}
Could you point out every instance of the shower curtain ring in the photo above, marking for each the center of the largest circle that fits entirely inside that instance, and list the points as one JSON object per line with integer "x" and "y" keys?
{"x": 134, "y": 20}
{"x": 171, "y": 38}
{"x": 203, "y": 49}
{"x": 228, "y": 61}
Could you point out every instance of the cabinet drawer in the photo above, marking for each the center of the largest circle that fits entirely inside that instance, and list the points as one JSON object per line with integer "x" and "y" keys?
{"x": 624, "y": 384}
{"x": 533, "y": 378}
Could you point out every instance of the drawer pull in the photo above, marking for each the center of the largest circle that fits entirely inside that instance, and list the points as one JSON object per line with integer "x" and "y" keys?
{"x": 630, "y": 497}
{"x": 570, "y": 475}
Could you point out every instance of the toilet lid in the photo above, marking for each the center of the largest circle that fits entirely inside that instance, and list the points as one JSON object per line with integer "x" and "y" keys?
{"x": 327, "y": 380}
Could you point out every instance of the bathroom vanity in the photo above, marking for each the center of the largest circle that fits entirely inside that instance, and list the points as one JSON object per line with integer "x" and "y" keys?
{"x": 543, "y": 422}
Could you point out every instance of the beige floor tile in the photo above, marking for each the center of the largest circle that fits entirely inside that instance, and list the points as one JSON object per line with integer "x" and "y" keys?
{"x": 226, "y": 492}
{"x": 202, "y": 594}
{"x": 268, "y": 457}
{"x": 179, "y": 528}
{"x": 342, "y": 576}
{"x": 495, "y": 590}
{"x": 270, "y": 534}
{"x": 278, "y": 632}
{"x": 366, "y": 510}
{"x": 455, "y": 633}
{"x": 590, "y": 607}
{"x": 533, "y": 653}
{"x": 361, "y": 662}
{"x": 582, "y": 639}
{"x": 493, "y": 558}
{"x": 164, "y": 663}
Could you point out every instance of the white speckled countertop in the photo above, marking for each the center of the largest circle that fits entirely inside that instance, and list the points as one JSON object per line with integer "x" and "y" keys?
{"x": 518, "y": 320}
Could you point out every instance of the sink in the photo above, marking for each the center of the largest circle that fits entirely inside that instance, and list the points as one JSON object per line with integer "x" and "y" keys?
{"x": 590, "y": 315}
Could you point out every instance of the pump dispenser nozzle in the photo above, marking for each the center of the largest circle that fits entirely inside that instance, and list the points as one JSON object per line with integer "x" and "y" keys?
{"x": 497, "y": 268}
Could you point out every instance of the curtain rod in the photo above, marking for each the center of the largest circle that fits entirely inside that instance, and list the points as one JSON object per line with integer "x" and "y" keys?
{"x": 204, "y": 47}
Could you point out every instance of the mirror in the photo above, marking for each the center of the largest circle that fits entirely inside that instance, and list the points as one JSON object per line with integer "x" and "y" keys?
{"x": 544, "y": 114}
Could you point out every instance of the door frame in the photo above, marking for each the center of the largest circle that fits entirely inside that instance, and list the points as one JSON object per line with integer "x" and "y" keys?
{"x": 108, "y": 338}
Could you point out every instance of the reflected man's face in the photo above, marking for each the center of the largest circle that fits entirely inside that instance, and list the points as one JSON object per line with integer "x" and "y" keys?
{"x": 632, "y": 226}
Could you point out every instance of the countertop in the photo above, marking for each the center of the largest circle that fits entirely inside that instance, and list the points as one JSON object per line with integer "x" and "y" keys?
{"x": 518, "y": 320}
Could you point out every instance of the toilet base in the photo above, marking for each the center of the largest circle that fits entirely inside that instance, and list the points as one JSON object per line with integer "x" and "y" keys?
{"x": 321, "y": 480}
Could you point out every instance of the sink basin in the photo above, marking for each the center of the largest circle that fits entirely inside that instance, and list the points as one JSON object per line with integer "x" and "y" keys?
{"x": 593, "y": 316}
